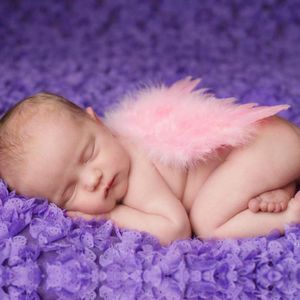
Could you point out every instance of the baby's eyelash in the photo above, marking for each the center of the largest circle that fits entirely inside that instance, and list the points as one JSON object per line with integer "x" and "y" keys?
{"x": 90, "y": 155}
{"x": 70, "y": 193}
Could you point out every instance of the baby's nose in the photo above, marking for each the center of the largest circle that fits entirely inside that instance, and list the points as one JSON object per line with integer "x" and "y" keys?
{"x": 93, "y": 180}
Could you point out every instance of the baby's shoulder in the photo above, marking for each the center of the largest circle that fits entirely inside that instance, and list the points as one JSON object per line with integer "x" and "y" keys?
{"x": 175, "y": 177}
{"x": 145, "y": 180}
{"x": 138, "y": 158}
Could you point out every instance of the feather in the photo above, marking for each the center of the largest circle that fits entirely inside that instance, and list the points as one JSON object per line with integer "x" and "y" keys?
{"x": 180, "y": 125}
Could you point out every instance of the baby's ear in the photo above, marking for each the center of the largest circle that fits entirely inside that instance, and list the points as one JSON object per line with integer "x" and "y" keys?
{"x": 89, "y": 110}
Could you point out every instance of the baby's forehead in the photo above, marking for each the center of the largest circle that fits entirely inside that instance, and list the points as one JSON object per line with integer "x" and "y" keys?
{"x": 53, "y": 140}
{"x": 61, "y": 128}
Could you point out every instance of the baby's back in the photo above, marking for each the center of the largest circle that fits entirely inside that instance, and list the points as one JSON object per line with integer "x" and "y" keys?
{"x": 185, "y": 184}
{"x": 182, "y": 183}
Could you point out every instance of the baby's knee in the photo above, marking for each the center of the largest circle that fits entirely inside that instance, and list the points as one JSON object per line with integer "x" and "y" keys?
{"x": 204, "y": 233}
{"x": 200, "y": 227}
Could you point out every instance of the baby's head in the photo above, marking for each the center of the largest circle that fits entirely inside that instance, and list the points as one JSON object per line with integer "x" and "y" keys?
{"x": 52, "y": 148}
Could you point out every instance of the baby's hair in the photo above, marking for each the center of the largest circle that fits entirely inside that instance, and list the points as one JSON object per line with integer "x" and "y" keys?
{"x": 41, "y": 100}
{"x": 13, "y": 139}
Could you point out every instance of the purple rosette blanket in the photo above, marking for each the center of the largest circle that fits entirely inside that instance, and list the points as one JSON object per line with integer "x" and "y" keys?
{"x": 45, "y": 255}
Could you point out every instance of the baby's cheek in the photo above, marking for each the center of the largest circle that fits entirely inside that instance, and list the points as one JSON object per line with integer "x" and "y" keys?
{"x": 76, "y": 205}
{"x": 102, "y": 208}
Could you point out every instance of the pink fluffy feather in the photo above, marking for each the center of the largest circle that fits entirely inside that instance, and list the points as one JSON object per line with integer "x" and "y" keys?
{"x": 179, "y": 125}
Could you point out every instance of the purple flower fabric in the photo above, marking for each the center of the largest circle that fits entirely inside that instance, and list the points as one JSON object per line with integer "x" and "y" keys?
{"x": 93, "y": 52}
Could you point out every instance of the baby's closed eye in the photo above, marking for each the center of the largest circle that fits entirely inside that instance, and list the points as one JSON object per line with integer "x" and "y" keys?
{"x": 68, "y": 194}
{"x": 88, "y": 154}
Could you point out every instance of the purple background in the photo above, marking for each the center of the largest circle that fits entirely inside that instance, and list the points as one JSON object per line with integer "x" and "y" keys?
{"x": 92, "y": 52}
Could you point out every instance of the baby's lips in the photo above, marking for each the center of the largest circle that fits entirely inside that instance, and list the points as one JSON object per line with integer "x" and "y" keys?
{"x": 108, "y": 186}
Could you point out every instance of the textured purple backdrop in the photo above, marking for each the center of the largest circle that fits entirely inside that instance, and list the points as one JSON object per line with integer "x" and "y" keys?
{"x": 94, "y": 51}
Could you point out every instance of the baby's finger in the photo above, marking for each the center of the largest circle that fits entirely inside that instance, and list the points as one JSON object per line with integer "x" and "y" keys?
{"x": 77, "y": 214}
{"x": 72, "y": 214}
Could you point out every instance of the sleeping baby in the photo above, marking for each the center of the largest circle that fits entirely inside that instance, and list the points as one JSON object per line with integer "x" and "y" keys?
{"x": 54, "y": 149}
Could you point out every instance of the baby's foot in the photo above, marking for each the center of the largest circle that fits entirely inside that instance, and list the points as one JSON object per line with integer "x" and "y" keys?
{"x": 272, "y": 201}
{"x": 293, "y": 210}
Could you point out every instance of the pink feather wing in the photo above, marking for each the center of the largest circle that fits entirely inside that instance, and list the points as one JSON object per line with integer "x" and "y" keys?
{"x": 179, "y": 125}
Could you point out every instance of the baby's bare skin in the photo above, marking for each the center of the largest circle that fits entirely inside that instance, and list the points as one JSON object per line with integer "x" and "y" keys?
{"x": 149, "y": 192}
{"x": 215, "y": 195}
{"x": 93, "y": 173}
{"x": 253, "y": 215}
{"x": 273, "y": 201}
{"x": 270, "y": 162}
{"x": 185, "y": 187}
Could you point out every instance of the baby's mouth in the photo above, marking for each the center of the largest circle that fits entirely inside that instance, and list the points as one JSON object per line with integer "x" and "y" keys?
{"x": 109, "y": 186}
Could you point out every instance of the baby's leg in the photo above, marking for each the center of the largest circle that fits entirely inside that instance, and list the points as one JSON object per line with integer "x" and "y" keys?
{"x": 246, "y": 173}
{"x": 262, "y": 223}
{"x": 273, "y": 201}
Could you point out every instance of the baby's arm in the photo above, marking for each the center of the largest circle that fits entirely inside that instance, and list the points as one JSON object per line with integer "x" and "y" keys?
{"x": 166, "y": 230}
{"x": 149, "y": 204}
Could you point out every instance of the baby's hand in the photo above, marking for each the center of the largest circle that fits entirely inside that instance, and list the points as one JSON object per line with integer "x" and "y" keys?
{"x": 88, "y": 217}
